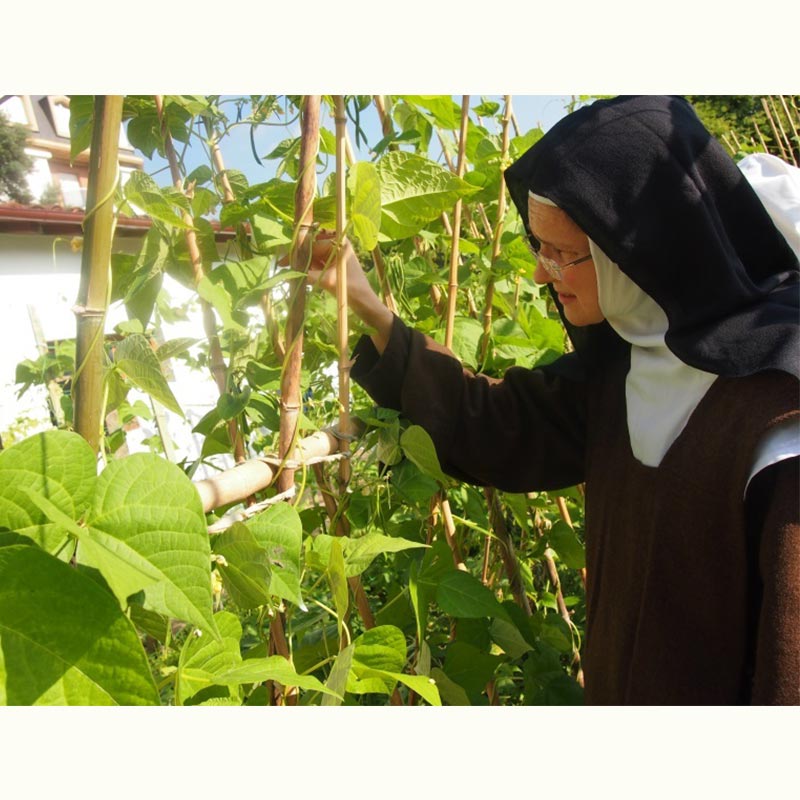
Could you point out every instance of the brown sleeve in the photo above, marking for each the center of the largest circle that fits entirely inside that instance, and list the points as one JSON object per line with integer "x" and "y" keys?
{"x": 525, "y": 432}
{"x": 772, "y": 502}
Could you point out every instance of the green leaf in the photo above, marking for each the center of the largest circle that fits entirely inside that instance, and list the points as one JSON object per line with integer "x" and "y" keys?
{"x": 136, "y": 359}
{"x": 203, "y": 658}
{"x": 274, "y": 668}
{"x": 413, "y": 485}
{"x": 246, "y": 280}
{"x": 64, "y": 639}
{"x": 221, "y": 300}
{"x": 378, "y": 651}
{"x": 57, "y": 464}
{"x": 246, "y": 568}
{"x": 444, "y": 112}
{"x": 564, "y": 541}
{"x": 142, "y": 191}
{"x": 268, "y": 233}
{"x": 450, "y": 691}
{"x": 359, "y": 553}
{"x": 338, "y": 582}
{"x": 337, "y": 679}
{"x": 415, "y": 191}
{"x": 467, "y": 334}
{"x": 174, "y": 347}
{"x": 231, "y": 405}
{"x": 150, "y": 506}
{"x": 462, "y": 595}
{"x": 279, "y": 530}
{"x": 155, "y": 625}
{"x": 423, "y": 580}
{"x": 419, "y": 448}
{"x": 509, "y": 638}
{"x": 81, "y": 124}
{"x": 122, "y": 568}
{"x": 423, "y": 685}
{"x": 470, "y": 668}
{"x": 555, "y": 632}
{"x": 388, "y": 451}
{"x": 545, "y": 682}
{"x": 363, "y": 185}
{"x": 148, "y": 264}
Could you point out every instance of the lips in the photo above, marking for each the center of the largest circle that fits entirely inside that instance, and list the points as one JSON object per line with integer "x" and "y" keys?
{"x": 565, "y": 299}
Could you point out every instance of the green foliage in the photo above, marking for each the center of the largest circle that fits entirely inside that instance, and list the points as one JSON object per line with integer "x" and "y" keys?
{"x": 15, "y": 164}
{"x": 165, "y": 613}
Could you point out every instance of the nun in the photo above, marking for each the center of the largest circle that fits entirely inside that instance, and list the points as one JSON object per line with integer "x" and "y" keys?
{"x": 677, "y": 406}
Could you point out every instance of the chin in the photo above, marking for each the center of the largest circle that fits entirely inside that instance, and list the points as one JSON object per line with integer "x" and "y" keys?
{"x": 580, "y": 319}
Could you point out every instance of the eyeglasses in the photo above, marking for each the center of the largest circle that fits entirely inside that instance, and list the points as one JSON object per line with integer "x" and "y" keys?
{"x": 552, "y": 268}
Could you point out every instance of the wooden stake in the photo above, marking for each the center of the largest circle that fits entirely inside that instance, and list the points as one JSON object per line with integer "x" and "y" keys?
{"x": 498, "y": 233}
{"x": 453, "y": 286}
{"x": 341, "y": 289}
{"x": 216, "y": 359}
{"x": 783, "y": 131}
{"x": 792, "y": 122}
{"x": 777, "y": 136}
{"x": 760, "y": 137}
{"x": 299, "y": 258}
{"x": 93, "y": 292}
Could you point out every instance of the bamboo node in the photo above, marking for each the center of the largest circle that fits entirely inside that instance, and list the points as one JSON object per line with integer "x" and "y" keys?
{"x": 86, "y": 311}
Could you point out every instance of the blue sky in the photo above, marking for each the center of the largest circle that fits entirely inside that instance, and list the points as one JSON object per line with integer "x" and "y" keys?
{"x": 530, "y": 110}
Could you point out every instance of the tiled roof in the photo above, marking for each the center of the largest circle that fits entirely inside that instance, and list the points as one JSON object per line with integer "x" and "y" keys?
{"x": 34, "y": 218}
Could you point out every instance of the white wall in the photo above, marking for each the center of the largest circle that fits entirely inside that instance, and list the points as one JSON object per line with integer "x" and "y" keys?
{"x": 44, "y": 271}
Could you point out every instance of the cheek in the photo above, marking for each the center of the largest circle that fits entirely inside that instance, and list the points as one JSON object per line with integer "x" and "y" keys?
{"x": 581, "y": 283}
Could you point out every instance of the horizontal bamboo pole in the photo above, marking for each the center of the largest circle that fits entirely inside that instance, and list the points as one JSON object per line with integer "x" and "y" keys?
{"x": 235, "y": 484}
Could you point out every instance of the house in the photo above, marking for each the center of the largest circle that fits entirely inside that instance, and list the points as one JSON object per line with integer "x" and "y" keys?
{"x": 54, "y": 177}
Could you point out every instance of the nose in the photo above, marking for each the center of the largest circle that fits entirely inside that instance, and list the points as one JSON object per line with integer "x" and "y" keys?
{"x": 541, "y": 275}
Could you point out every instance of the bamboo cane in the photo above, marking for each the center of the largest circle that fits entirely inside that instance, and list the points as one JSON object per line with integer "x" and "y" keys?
{"x": 219, "y": 164}
{"x": 299, "y": 258}
{"x": 564, "y": 512}
{"x": 377, "y": 256}
{"x": 786, "y": 139}
{"x": 444, "y": 503}
{"x": 245, "y": 479}
{"x": 728, "y": 144}
{"x": 791, "y": 121}
{"x": 453, "y": 285}
{"x": 386, "y": 121}
{"x": 216, "y": 359}
{"x": 498, "y": 232}
{"x": 778, "y": 141}
{"x": 341, "y": 288}
{"x": 93, "y": 292}
{"x": 760, "y": 137}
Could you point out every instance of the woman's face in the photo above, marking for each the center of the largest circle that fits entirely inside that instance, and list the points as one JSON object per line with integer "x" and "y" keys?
{"x": 563, "y": 241}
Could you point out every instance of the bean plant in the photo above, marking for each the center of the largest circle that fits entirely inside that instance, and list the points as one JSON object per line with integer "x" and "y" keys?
{"x": 385, "y": 583}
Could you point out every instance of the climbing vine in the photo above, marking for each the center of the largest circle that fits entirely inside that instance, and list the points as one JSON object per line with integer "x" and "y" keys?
{"x": 337, "y": 564}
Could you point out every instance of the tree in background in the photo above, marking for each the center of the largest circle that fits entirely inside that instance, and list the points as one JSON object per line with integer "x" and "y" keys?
{"x": 14, "y": 162}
